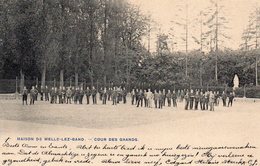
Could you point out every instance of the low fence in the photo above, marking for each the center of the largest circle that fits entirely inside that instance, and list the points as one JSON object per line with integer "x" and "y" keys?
{"x": 10, "y": 96}
{"x": 12, "y": 86}
{"x": 8, "y": 86}
{"x": 247, "y": 100}
{"x": 248, "y": 92}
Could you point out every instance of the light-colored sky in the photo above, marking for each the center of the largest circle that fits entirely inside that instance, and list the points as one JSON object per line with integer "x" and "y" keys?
{"x": 165, "y": 11}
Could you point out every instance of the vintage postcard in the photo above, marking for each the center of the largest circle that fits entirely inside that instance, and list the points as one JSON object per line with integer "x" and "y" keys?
{"x": 129, "y": 82}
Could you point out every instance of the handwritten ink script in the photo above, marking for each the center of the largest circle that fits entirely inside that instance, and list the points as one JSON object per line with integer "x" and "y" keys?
{"x": 46, "y": 153}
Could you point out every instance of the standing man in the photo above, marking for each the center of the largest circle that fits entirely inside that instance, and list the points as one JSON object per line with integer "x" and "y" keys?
{"x": 119, "y": 94}
{"x": 25, "y": 94}
{"x": 109, "y": 93}
{"x": 41, "y": 92}
{"x": 187, "y": 100}
{"x": 149, "y": 98}
{"x": 169, "y": 97}
{"x": 161, "y": 99}
{"x": 211, "y": 101}
{"x": 55, "y": 95}
{"x": 179, "y": 95}
{"x": 73, "y": 90}
{"x": 145, "y": 99}
{"x": 81, "y": 95}
{"x": 133, "y": 96}
{"x": 36, "y": 89}
{"x": 100, "y": 93}
{"x": 104, "y": 96}
{"x": 217, "y": 98}
{"x": 140, "y": 98}
{"x": 33, "y": 93}
{"x": 192, "y": 96}
{"x": 94, "y": 95}
{"x": 60, "y": 95}
{"x": 207, "y": 100}
{"x": 88, "y": 94}
{"x": 182, "y": 95}
{"x": 224, "y": 99}
{"x": 124, "y": 92}
{"x": 46, "y": 93}
{"x": 197, "y": 99}
{"x": 202, "y": 100}
{"x": 64, "y": 95}
{"x": 114, "y": 96}
{"x": 136, "y": 96}
{"x": 230, "y": 99}
{"x": 68, "y": 95}
{"x": 156, "y": 98}
{"x": 174, "y": 99}
{"x": 63, "y": 92}
{"x": 52, "y": 95}
{"x": 76, "y": 96}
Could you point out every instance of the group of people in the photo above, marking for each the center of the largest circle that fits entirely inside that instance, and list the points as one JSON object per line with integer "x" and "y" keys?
{"x": 67, "y": 95}
{"x": 193, "y": 99}
{"x": 157, "y": 97}
{"x": 206, "y": 100}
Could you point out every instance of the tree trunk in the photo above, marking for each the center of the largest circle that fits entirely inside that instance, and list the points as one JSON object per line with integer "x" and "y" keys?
{"x": 105, "y": 80}
{"x": 61, "y": 78}
{"x": 256, "y": 71}
{"x": 201, "y": 74}
{"x": 217, "y": 27}
{"x": 91, "y": 79}
{"x": 54, "y": 82}
{"x": 105, "y": 42}
{"x": 76, "y": 79}
{"x": 22, "y": 81}
{"x": 91, "y": 43}
{"x": 43, "y": 80}
{"x": 216, "y": 67}
{"x": 44, "y": 17}
{"x": 37, "y": 82}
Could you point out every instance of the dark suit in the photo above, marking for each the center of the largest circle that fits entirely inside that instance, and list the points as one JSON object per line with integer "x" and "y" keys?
{"x": 94, "y": 96}
{"x": 88, "y": 94}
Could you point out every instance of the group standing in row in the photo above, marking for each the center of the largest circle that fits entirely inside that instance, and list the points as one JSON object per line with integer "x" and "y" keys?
{"x": 194, "y": 99}
{"x": 67, "y": 95}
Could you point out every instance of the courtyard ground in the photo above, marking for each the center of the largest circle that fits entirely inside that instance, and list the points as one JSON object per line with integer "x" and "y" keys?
{"x": 229, "y": 126}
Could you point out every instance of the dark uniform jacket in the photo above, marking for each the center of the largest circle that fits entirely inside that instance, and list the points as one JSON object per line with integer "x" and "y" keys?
{"x": 88, "y": 92}
{"x": 25, "y": 92}
{"x": 94, "y": 92}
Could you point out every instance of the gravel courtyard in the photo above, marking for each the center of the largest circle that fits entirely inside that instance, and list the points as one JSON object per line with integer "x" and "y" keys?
{"x": 120, "y": 116}
{"x": 235, "y": 125}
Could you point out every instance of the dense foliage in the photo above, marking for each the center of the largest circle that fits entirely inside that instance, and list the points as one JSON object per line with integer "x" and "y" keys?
{"x": 101, "y": 41}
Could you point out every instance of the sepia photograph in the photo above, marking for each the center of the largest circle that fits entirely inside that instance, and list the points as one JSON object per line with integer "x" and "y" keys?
{"x": 130, "y": 82}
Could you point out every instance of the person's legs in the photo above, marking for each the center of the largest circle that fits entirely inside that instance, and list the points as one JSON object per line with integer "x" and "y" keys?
{"x": 23, "y": 99}
{"x": 138, "y": 103}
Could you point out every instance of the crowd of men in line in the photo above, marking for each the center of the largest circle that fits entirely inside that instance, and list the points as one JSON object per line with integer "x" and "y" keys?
{"x": 194, "y": 99}
{"x": 68, "y": 95}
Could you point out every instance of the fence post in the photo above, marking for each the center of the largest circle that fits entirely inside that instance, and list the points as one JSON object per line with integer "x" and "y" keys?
{"x": 245, "y": 91}
{"x": 16, "y": 88}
